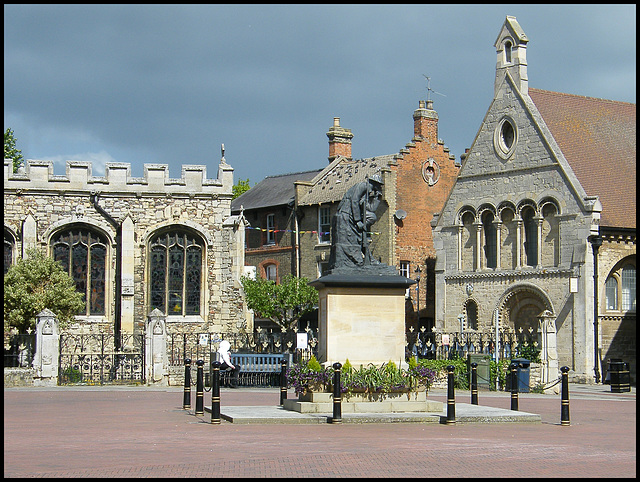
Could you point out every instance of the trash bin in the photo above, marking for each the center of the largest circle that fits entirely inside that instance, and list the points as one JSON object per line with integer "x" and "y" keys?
{"x": 522, "y": 375}
{"x": 483, "y": 371}
{"x": 619, "y": 376}
{"x": 607, "y": 378}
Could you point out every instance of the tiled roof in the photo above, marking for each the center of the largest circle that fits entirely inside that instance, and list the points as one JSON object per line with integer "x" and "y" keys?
{"x": 332, "y": 183}
{"x": 272, "y": 191}
{"x": 598, "y": 139}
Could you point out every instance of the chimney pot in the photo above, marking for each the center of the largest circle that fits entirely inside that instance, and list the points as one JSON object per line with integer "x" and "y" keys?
{"x": 336, "y": 122}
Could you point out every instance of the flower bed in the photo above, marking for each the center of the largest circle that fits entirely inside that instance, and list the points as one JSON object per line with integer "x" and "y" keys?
{"x": 370, "y": 379}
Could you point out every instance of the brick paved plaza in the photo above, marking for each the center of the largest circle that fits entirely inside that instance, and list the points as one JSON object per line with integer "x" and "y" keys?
{"x": 144, "y": 432}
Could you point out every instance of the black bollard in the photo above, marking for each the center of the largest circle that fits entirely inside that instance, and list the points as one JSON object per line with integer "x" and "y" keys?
{"x": 200, "y": 388}
{"x": 564, "y": 409}
{"x": 451, "y": 396}
{"x": 514, "y": 386}
{"x": 283, "y": 381}
{"x": 474, "y": 383}
{"x": 215, "y": 393}
{"x": 186, "y": 401}
{"x": 337, "y": 394}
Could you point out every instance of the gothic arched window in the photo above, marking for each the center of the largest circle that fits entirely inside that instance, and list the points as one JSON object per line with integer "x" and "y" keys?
{"x": 175, "y": 267}
{"x": 8, "y": 251}
{"x": 82, "y": 252}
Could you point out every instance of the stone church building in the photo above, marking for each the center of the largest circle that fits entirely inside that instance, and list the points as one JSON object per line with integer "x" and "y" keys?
{"x": 134, "y": 245}
{"x": 545, "y": 199}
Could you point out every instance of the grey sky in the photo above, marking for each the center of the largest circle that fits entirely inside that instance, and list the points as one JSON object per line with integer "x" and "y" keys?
{"x": 168, "y": 84}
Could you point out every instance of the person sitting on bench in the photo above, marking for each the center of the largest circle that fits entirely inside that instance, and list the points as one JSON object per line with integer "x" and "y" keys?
{"x": 225, "y": 362}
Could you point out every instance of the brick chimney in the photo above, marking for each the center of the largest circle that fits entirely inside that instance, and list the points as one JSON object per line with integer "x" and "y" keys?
{"x": 425, "y": 122}
{"x": 339, "y": 140}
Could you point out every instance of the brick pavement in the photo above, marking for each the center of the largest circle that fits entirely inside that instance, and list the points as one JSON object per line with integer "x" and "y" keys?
{"x": 144, "y": 432}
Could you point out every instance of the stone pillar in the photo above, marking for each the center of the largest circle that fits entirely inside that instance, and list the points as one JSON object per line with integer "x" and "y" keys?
{"x": 498, "y": 225}
{"x": 478, "y": 259}
{"x": 46, "y": 359}
{"x": 29, "y": 235}
{"x": 126, "y": 276}
{"x": 156, "y": 359}
{"x": 549, "y": 352}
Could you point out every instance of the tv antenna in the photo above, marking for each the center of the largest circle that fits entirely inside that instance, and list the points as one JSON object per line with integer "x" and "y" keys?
{"x": 429, "y": 89}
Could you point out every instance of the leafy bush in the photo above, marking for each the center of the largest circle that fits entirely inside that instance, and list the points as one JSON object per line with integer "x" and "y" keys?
{"x": 370, "y": 378}
{"x": 309, "y": 376}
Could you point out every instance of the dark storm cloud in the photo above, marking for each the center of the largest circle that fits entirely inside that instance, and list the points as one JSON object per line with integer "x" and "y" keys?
{"x": 169, "y": 84}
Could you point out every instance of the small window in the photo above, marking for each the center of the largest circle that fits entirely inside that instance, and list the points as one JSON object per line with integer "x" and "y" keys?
{"x": 507, "y": 52}
{"x": 530, "y": 236}
{"x": 471, "y": 315}
{"x": 271, "y": 229}
{"x": 404, "y": 268}
{"x": 611, "y": 293}
{"x": 508, "y": 135}
{"x": 505, "y": 138}
{"x": 490, "y": 240}
{"x": 629, "y": 288}
{"x": 324, "y": 224}
{"x": 271, "y": 272}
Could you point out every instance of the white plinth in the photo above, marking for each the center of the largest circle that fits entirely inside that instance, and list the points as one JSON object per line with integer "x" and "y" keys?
{"x": 364, "y": 324}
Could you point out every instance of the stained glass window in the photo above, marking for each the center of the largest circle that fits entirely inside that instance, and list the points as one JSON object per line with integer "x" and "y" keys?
{"x": 83, "y": 254}
{"x": 176, "y": 273}
{"x": 8, "y": 252}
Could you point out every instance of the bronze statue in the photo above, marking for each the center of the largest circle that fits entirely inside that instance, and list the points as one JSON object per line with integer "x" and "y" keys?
{"x": 351, "y": 223}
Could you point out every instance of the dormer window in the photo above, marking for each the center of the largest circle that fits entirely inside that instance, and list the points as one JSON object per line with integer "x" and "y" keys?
{"x": 507, "y": 52}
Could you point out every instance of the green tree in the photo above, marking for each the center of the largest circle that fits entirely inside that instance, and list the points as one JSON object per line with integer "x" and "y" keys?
{"x": 10, "y": 150}
{"x": 34, "y": 283}
{"x": 240, "y": 188}
{"x": 282, "y": 303}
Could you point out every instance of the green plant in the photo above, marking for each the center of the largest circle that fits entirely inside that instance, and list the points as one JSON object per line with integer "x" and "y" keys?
{"x": 37, "y": 282}
{"x": 282, "y": 303}
{"x": 460, "y": 372}
{"x": 499, "y": 372}
{"x": 529, "y": 351}
{"x": 314, "y": 365}
{"x": 73, "y": 375}
{"x": 304, "y": 377}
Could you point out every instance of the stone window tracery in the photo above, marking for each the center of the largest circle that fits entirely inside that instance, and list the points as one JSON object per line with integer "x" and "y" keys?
{"x": 176, "y": 273}
{"x": 82, "y": 252}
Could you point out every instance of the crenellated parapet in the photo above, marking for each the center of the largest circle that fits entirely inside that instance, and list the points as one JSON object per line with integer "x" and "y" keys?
{"x": 37, "y": 175}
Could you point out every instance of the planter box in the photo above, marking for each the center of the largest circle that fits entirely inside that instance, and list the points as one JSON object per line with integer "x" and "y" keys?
{"x": 324, "y": 397}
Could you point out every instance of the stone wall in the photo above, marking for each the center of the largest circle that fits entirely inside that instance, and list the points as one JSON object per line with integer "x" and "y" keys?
{"x": 38, "y": 203}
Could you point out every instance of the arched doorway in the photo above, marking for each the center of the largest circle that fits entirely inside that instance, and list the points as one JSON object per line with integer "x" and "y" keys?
{"x": 519, "y": 313}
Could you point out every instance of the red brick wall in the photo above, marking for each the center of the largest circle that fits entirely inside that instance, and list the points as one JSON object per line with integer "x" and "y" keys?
{"x": 414, "y": 242}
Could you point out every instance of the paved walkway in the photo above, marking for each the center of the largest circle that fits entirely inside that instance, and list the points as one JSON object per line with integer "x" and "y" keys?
{"x": 144, "y": 432}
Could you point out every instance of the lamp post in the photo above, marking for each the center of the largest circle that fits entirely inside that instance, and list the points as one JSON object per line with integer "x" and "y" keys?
{"x": 596, "y": 242}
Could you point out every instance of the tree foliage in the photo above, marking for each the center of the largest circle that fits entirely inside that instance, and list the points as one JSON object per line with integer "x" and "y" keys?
{"x": 10, "y": 150}
{"x": 282, "y": 303}
{"x": 240, "y": 188}
{"x": 34, "y": 283}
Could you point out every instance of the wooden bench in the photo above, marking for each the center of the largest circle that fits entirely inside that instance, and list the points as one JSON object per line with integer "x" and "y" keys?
{"x": 256, "y": 369}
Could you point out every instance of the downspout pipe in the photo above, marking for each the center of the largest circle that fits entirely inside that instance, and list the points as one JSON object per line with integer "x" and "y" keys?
{"x": 95, "y": 195}
{"x": 596, "y": 242}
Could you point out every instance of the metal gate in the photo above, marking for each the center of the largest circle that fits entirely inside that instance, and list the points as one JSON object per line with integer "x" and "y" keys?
{"x": 101, "y": 358}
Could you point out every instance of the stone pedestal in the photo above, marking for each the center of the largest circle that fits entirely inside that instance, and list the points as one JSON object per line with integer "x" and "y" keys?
{"x": 361, "y": 318}
{"x": 365, "y": 403}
